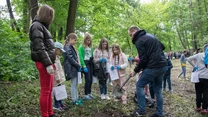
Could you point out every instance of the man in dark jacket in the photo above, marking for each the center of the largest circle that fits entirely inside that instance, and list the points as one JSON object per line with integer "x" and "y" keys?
{"x": 152, "y": 62}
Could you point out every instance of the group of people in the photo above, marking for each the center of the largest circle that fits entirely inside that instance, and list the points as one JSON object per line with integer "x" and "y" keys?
{"x": 46, "y": 55}
{"x": 153, "y": 63}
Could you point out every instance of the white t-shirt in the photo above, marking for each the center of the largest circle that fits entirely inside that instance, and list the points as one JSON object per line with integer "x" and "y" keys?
{"x": 88, "y": 53}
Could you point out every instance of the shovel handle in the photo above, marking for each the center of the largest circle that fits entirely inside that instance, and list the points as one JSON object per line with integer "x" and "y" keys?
{"x": 125, "y": 82}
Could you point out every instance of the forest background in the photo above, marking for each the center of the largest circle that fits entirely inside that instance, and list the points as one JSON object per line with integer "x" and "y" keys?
{"x": 178, "y": 24}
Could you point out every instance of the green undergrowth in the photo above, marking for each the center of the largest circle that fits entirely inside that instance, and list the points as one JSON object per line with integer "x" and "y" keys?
{"x": 22, "y": 99}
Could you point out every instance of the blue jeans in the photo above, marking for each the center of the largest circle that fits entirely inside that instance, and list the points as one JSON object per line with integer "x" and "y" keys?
{"x": 183, "y": 71}
{"x": 166, "y": 77}
{"x": 88, "y": 78}
{"x": 147, "y": 76}
{"x": 103, "y": 86}
{"x": 74, "y": 90}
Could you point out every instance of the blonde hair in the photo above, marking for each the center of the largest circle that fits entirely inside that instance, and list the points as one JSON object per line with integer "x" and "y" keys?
{"x": 69, "y": 37}
{"x": 86, "y": 37}
{"x": 117, "y": 47}
{"x": 45, "y": 14}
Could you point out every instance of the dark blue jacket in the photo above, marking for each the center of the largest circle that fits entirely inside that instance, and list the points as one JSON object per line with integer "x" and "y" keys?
{"x": 71, "y": 64}
{"x": 150, "y": 51}
{"x": 168, "y": 67}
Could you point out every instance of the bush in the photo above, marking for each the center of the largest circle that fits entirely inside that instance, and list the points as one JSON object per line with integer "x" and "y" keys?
{"x": 15, "y": 61}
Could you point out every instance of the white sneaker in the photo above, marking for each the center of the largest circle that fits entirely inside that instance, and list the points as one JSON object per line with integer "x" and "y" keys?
{"x": 111, "y": 83}
{"x": 107, "y": 97}
{"x": 102, "y": 96}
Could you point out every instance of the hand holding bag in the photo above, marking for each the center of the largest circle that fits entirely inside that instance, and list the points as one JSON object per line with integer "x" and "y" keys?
{"x": 195, "y": 77}
{"x": 60, "y": 92}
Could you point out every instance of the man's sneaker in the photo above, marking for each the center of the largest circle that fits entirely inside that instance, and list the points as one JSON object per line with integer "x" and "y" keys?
{"x": 198, "y": 109}
{"x": 137, "y": 114}
{"x": 204, "y": 111}
{"x": 107, "y": 97}
{"x": 58, "y": 108}
{"x": 87, "y": 97}
{"x": 156, "y": 115}
{"x": 102, "y": 96}
{"x": 90, "y": 95}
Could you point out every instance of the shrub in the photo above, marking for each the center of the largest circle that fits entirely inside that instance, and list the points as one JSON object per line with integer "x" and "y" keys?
{"x": 15, "y": 61}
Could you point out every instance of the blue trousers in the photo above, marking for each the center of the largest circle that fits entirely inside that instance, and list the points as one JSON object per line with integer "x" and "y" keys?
{"x": 167, "y": 78}
{"x": 147, "y": 76}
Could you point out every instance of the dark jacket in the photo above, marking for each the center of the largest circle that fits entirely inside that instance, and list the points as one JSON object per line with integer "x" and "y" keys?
{"x": 150, "y": 51}
{"x": 71, "y": 64}
{"x": 100, "y": 71}
{"x": 41, "y": 45}
{"x": 169, "y": 66}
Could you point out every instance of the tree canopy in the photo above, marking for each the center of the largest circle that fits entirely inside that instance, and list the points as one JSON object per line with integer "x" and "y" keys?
{"x": 178, "y": 24}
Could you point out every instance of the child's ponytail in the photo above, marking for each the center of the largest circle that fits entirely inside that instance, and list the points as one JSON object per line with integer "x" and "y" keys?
{"x": 66, "y": 40}
{"x": 69, "y": 37}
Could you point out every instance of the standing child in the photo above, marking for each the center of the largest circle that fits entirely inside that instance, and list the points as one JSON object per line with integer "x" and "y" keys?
{"x": 86, "y": 60}
{"x": 183, "y": 64}
{"x": 118, "y": 60}
{"x": 58, "y": 75}
{"x": 71, "y": 65}
{"x": 43, "y": 54}
{"x": 167, "y": 74}
{"x": 102, "y": 55}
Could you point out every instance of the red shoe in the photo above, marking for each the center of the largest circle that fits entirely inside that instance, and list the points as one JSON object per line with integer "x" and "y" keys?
{"x": 204, "y": 111}
{"x": 198, "y": 109}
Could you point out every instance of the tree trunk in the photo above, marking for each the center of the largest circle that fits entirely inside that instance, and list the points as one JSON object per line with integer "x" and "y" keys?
{"x": 193, "y": 30}
{"x": 200, "y": 19}
{"x": 179, "y": 36}
{"x": 26, "y": 22}
{"x": 60, "y": 33}
{"x": 206, "y": 10}
{"x": 13, "y": 22}
{"x": 71, "y": 16}
{"x": 33, "y": 8}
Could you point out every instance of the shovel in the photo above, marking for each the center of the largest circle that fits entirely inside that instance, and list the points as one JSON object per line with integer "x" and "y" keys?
{"x": 119, "y": 91}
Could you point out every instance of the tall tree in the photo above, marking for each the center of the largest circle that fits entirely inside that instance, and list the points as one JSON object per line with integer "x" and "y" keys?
{"x": 71, "y": 16}
{"x": 13, "y": 21}
{"x": 26, "y": 16}
{"x": 33, "y": 8}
